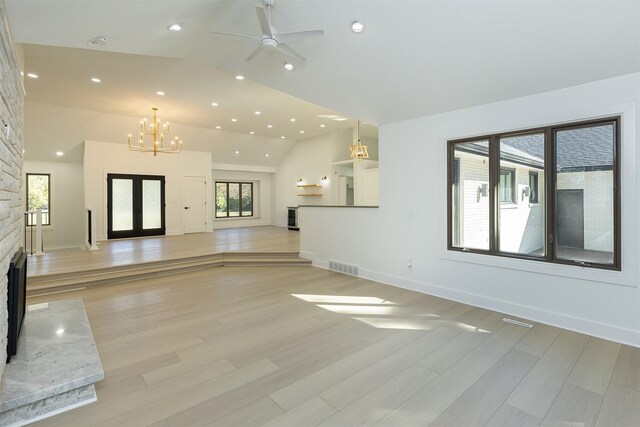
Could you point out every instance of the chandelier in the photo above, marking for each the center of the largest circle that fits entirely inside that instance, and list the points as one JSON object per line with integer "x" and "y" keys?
{"x": 359, "y": 151}
{"x": 158, "y": 132}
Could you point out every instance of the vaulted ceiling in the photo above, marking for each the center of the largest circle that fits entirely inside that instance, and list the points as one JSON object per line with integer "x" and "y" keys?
{"x": 413, "y": 58}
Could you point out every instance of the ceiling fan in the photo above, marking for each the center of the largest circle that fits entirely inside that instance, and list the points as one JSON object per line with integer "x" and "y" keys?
{"x": 272, "y": 40}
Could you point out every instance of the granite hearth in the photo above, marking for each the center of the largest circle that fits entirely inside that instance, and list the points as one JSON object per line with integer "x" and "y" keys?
{"x": 56, "y": 365}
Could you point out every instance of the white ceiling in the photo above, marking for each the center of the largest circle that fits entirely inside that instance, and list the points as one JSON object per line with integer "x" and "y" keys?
{"x": 414, "y": 58}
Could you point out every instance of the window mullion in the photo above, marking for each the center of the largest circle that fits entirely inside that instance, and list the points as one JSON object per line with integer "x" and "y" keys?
{"x": 494, "y": 180}
{"x": 549, "y": 194}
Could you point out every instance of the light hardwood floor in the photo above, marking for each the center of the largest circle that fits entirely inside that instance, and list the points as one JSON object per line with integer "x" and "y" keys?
{"x": 301, "y": 346}
{"x": 134, "y": 251}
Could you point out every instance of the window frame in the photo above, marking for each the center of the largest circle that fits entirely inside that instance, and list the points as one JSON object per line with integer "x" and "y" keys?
{"x": 514, "y": 185}
{"x": 537, "y": 190}
{"x": 48, "y": 175}
{"x": 549, "y": 183}
{"x": 240, "y": 210}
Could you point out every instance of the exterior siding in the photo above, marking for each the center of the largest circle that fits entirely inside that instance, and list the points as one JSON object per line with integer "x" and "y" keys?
{"x": 11, "y": 219}
{"x": 522, "y": 223}
{"x": 474, "y": 210}
{"x": 598, "y": 202}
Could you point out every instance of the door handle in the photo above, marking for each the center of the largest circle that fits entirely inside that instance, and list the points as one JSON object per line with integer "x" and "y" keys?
{"x": 187, "y": 207}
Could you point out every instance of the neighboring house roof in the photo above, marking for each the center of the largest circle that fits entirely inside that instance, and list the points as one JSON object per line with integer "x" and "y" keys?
{"x": 585, "y": 148}
{"x": 589, "y": 148}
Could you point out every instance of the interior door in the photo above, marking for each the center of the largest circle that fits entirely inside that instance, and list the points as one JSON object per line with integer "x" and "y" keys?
{"x": 570, "y": 211}
{"x": 194, "y": 193}
{"x": 135, "y": 206}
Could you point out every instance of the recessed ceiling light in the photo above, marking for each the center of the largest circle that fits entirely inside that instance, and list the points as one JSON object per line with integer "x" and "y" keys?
{"x": 322, "y": 125}
{"x": 301, "y": 131}
{"x": 161, "y": 93}
{"x": 357, "y": 26}
{"x": 97, "y": 41}
{"x": 59, "y": 153}
{"x": 234, "y": 120}
{"x": 32, "y": 75}
{"x": 214, "y": 104}
{"x": 239, "y": 77}
{"x": 257, "y": 113}
{"x": 174, "y": 27}
{"x": 282, "y": 137}
{"x": 292, "y": 120}
{"x": 252, "y": 133}
{"x": 269, "y": 126}
{"x": 236, "y": 152}
{"x": 218, "y": 127}
{"x": 288, "y": 66}
{"x": 24, "y": 151}
{"x": 266, "y": 155}
{"x": 95, "y": 80}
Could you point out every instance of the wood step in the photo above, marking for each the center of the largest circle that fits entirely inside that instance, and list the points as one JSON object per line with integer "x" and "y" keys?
{"x": 82, "y": 278}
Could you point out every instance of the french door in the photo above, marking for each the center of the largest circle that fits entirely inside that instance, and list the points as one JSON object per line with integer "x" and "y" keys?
{"x": 135, "y": 206}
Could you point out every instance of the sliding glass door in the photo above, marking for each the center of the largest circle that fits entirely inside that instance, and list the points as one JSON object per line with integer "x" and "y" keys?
{"x": 135, "y": 205}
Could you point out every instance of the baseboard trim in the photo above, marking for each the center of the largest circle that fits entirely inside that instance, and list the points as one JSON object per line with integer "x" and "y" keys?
{"x": 572, "y": 323}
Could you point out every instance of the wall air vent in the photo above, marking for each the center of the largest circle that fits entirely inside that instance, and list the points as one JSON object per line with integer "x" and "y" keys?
{"x": 343, "y": 268}
{"x": 517, "y": 322}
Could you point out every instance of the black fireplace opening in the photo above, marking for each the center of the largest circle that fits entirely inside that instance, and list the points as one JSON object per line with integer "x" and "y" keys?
{"x": 17, "y": 300}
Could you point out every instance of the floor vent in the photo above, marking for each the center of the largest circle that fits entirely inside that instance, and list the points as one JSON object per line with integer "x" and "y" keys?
{"x": 517, "y": 322}
{"x": 343, "y": 268}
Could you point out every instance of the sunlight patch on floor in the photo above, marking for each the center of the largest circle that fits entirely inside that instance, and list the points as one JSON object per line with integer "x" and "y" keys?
{"x": 341, "y": 299}
{"x": 383, "y": 323}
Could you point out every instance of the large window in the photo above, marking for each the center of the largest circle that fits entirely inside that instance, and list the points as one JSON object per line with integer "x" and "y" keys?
{"x": 39, "y": 197}
{"x": 550, "y": 194}
{"x": 234, "y": 199}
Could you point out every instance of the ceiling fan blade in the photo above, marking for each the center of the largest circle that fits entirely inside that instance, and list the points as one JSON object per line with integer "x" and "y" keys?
{"x": 234, "y": 35}
{"x": 264, "y": 22}
{"x": 298, "y": 35}
{"x": 254, "y": 53}
{"x": 290, "y": 52}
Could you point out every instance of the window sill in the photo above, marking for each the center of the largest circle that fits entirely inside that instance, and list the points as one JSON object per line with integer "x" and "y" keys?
{"x": 236, "y": 218}
{"x": 540, "y": 267}
{"x": 509, "y": 205}
{"x": 44, "y": 228}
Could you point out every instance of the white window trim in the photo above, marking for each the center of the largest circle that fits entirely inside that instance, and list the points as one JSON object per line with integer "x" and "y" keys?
{"x": 628, "y": 181}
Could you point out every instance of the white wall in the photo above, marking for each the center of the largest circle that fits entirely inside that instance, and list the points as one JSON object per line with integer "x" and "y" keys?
{"x": 67, "y": 203}
{"x": 261, "y": 198}
{"x": 598, "y": 302}
{"x": 309, "y": 160}
{"x": 102, "y": 158}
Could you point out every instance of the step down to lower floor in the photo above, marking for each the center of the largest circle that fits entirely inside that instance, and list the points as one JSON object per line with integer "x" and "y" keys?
{"x": 79, "y": 279}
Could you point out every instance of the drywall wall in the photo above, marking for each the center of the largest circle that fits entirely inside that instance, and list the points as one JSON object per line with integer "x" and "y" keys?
{"x": 102, "y": 158}
{"x": 309, "y": 160}
{"x": 11, "y": 144}
{"x": 411, "y": 222}
{"x": 261, "y": 198}
{"x": 67, "y": 203}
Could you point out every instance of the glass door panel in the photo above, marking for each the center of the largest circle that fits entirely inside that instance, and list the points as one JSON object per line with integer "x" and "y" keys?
{"x": 151, "y": 208}
{"x": 122, "y": 205}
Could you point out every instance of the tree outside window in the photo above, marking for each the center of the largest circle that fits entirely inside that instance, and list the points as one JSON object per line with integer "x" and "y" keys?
{"x": 39, "y": 196}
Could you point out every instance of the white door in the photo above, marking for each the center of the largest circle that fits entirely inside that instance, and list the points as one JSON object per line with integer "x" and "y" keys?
{"x": 194, "y": 193}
